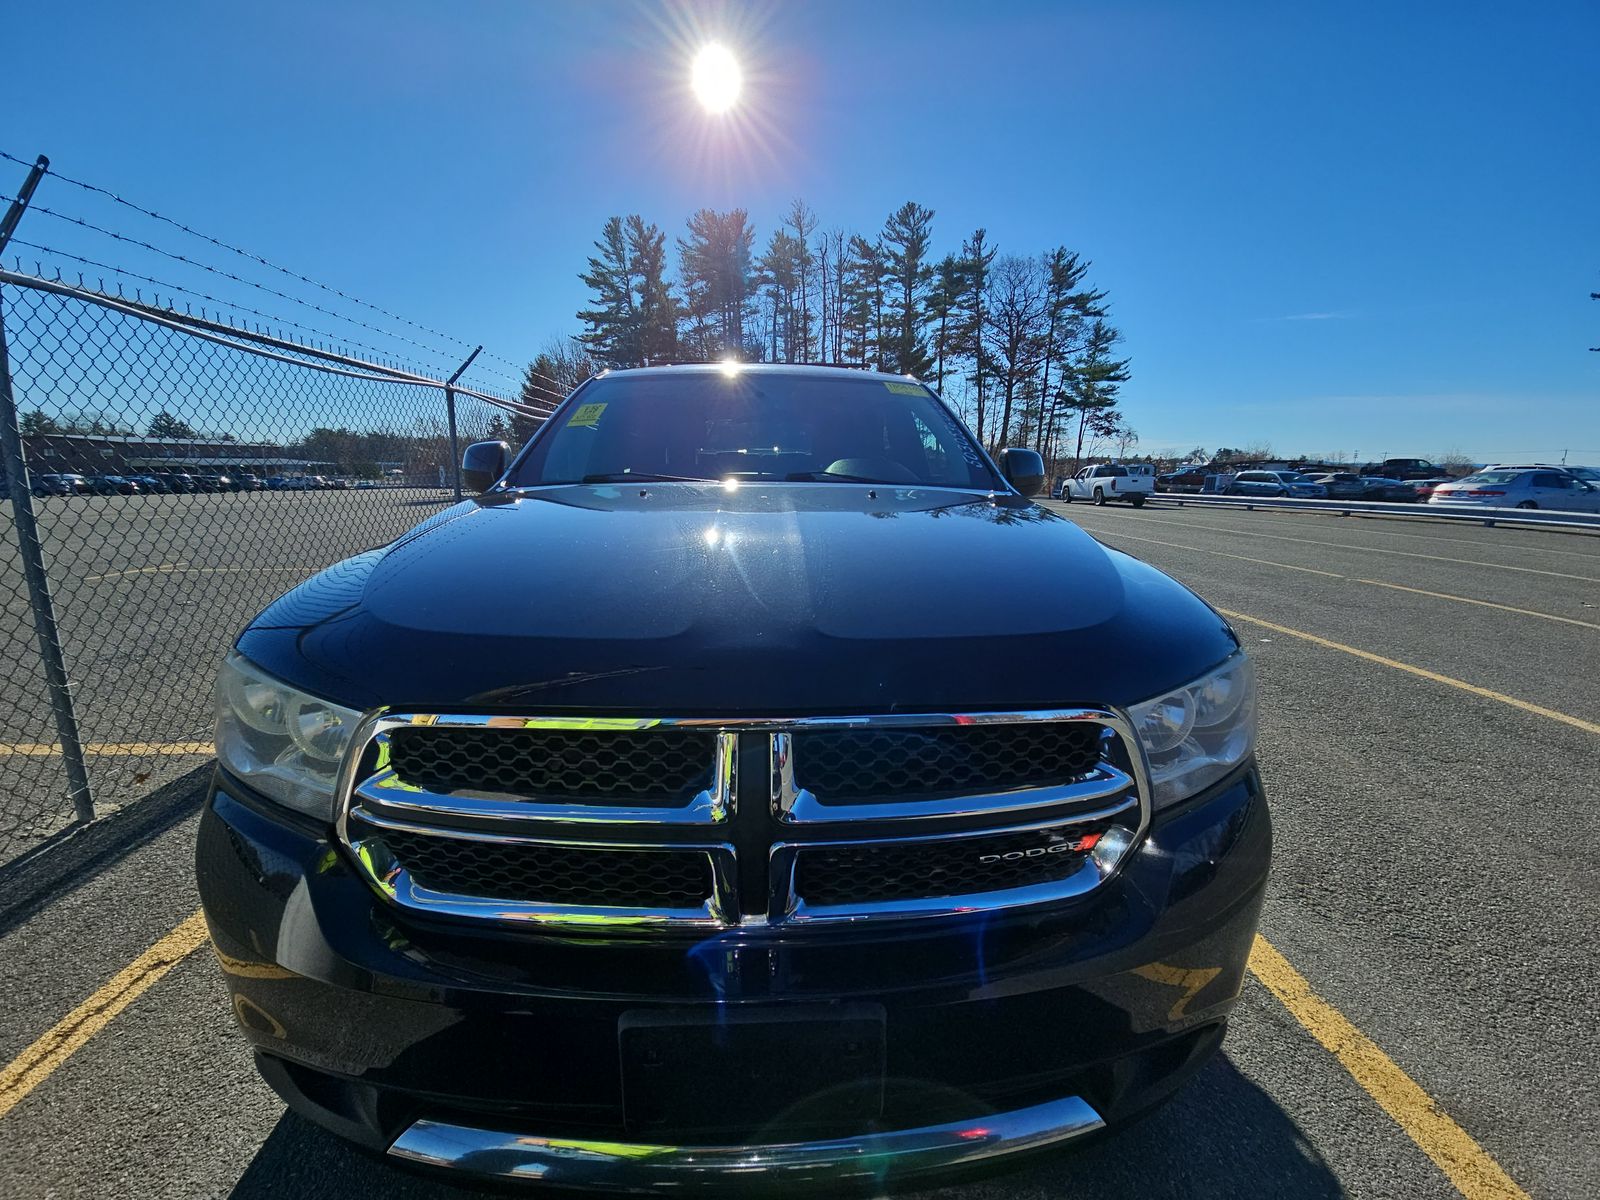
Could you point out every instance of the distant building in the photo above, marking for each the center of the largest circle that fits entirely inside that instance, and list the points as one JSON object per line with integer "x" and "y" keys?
{"x": 122, "y": 454}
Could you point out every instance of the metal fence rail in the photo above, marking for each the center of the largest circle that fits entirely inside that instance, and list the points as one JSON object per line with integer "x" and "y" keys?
{"x": 166, "y": 475}
{"x": 1478, "y": 514}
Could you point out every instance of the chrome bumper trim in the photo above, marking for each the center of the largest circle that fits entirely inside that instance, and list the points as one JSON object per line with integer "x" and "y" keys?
{"x": 641, "y": 1168}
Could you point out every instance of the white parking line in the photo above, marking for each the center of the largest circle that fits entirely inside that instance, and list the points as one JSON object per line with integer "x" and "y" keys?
{"x": 1279, "y": 537}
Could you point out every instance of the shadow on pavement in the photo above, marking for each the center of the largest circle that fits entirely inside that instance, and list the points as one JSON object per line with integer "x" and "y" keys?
{"x": 1222, "y": 1136}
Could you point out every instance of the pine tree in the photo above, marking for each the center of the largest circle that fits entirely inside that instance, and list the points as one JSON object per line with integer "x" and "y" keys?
{"x": 655, "y": 307}
{"x": 611, "y": 329}
{"x": 862, "y": 298}
{"x": 943, "y": 299}
{"x": 905, "y": 239}
{"x": 977, "y": 259}
{"x": 1067, "y": 313}
{"x": 778, "y": 273}
{"x": 715, "y": 265}
{"x": 1096, "y": 380}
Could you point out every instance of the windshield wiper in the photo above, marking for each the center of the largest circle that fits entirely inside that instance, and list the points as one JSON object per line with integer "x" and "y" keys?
{"x": 643, "y": 477}
{"x": 836, "y": 477}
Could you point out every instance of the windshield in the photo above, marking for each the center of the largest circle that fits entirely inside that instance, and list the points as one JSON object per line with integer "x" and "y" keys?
{"x": 781, "y": 426}
{"x": 1501, "y": 477}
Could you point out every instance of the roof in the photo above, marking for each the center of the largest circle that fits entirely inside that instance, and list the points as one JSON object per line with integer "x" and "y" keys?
{"x": 842, "y": 372}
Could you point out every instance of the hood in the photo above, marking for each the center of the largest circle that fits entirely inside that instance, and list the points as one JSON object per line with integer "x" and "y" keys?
{"x": 685, "y": 599}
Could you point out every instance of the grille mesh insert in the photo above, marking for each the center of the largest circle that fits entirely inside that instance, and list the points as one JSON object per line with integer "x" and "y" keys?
{"x": 866, "y": 765}
{"x": 602, "y": 767}
{"x": 849, "y": 875}
{"x": 553, "y": 874}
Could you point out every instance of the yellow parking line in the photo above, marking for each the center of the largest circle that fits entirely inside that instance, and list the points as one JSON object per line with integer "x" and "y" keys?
{"x": 107, "y": 749}
{"x": 1527, "y": 612}
{"x": 1420, "y": 672}
{"x": 1476, "y": 1175}
{"x": 1280, "y": 537}
{"x": 40, "y": 1060}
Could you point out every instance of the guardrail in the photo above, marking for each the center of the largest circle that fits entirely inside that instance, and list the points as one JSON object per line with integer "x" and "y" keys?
{"x": 1480, "y": 514}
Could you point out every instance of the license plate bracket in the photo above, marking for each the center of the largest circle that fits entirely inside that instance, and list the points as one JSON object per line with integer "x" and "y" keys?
{"x": 803, "y": 1069}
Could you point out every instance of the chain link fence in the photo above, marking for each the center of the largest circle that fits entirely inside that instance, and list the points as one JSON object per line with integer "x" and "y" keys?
{"x": 167, "y": 476}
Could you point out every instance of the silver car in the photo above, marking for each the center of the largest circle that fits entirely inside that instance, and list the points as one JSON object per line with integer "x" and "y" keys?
{"x": 1541, "y": 488}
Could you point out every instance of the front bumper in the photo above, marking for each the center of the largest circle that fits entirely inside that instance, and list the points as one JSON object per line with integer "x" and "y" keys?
{"x": 496, "y": 1051}
{"x": 864, "y": 1161}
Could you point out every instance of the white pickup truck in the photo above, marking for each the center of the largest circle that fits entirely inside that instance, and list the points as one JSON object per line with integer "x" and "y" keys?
{"x": 1106, "y": 482}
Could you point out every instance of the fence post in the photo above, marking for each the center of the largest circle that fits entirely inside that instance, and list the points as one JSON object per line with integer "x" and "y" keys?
{"x": 38, "y": 580}
{"x": 450, "y": 412}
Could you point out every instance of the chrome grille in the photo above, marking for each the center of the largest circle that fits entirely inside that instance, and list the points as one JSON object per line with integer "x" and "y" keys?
{"x": 534, "y": 873}
{"x": 570, "y": 821}
{"x": 863, "y": 874}
{"x": 853, "y": 766}
{"x": 613, "y": 767}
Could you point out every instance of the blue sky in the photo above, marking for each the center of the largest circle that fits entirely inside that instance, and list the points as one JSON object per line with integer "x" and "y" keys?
{"x": 1344, "y": 227}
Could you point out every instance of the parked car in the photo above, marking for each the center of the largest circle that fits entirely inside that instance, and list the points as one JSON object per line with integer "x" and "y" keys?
{"x": 178, "y": 482}
{"x": 1390, "y": 491}
{"x": 111, "y": 485}
{"x": 1187, "y": 479}
{"x": 1289, "y": 484}
{"x": 366, "y": 485}
{"x": 1404, "y": 468}
{"x": 246, "y": 482}
{"x": 1423, "y": 488}
{"x": 1521, "y": 489}
{"x": 1105, "y": 482}
{"x": 1342, "y": 485}
{"x": 50, "y": 484}
{"x": 151, "y": 484}
{"x": 1587, "y": 474}
{"x": 509, "y": 941}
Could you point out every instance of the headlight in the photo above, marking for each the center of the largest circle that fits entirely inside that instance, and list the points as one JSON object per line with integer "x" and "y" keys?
{"x": 1194, "y": 736}
{"x": 282, "y": 742}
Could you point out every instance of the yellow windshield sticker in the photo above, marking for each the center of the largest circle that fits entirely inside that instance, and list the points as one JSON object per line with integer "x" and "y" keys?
{"x": 587, "y": 416}
{"x": 906, "y": 389}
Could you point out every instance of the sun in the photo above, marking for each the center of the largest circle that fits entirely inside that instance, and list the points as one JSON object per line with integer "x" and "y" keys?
{"x": 716, "y": 78}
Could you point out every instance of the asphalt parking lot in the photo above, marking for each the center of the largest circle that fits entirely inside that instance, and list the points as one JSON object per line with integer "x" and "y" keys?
{"x": 147, "y": 590}
{"x": 1420, "y": 1021}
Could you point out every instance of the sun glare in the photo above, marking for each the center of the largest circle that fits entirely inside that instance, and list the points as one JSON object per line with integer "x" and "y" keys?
{"x": 716, "y": 78}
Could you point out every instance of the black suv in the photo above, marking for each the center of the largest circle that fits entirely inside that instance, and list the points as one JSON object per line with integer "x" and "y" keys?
{"x": 751, "y": 787}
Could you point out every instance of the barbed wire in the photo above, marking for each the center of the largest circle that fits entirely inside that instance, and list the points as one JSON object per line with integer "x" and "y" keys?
{"x": 243, "y": 253}
{"x": 520, "y": 378}
{"x": 208, "y": 268}
{"x": 228, "y": 304}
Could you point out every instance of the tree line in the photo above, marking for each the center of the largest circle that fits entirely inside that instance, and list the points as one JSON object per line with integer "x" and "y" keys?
{"x": 1022, "y": 345}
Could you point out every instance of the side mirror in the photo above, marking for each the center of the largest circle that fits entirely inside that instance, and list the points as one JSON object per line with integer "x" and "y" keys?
{"x": 482, "y": 464}
{"x": 1023, "y": 469}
